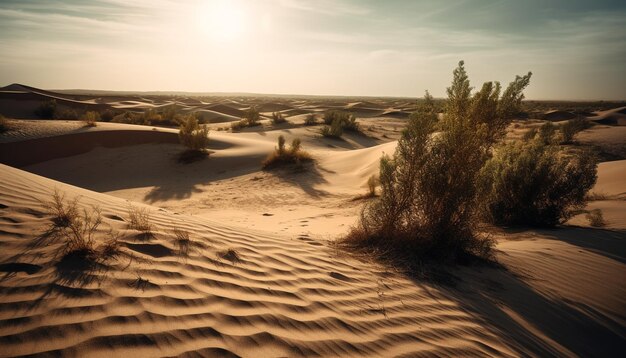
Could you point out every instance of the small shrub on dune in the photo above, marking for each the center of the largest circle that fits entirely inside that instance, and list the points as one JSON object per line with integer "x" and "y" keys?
{"x": 107, "y": 115}
{"x": 310, "y": 119}
{"x": 67, "y": 113}
{"x": 194, "y": 137}
{"x": 595, "y": 218}
{"x": 47, "y": 109}
{"x": 332, "y": 115}
{"x": 427, "y": 208}
{"x": 139, "y": 219}
{"x": 284, "y": 156}
{"x": 372, "y": 183}
{"x": 572, "y": 127}
{"x": 536, "y": 183}
{"x": 335, "y": 130}
{"x": 78, "y": 228}
{"x": 90, "y": 118}
{"x": 277, "y": 118}
{"x": 252, "y": 117}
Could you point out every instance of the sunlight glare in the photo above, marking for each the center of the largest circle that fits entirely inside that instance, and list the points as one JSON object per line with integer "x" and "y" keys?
{"x": 221, "y": 20}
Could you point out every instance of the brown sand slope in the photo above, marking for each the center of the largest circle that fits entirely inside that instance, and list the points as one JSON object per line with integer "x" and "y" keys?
{"x": 293, "y": 296}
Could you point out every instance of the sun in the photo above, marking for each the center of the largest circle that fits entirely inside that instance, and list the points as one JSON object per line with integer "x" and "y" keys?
{"x": 222, "y": 20}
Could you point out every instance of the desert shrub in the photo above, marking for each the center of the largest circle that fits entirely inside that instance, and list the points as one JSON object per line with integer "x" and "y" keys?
{"x": 66, "y": 113}
{"x": 170, "y": 114}
{"x": 90, "y": 118}
{"x": 78, "y": 228}
{"x": 252, "y": 117}
{"x": 277, "y": 118}
{"x": 47, "y": 109}
{"x": 571, "y": 127}
{"x": 4, "y": 124}
{"x": 332, "y": 115}
{"x": 107, "y": 115}
{"x": 530, "y": 134}
{"x": 535, "y": 183}
{"x": 282, "y": 155}
{"x": 335, "y": 130}
{"x": 595, "y": 217}
{"x": 372, "y": 183}
{"x": 427, "y": 207}
{"x": 183, "y": 242}
{"x": 310, "y": 119}
{"x": 350, "y": 124}
{"x": 192, "y": 135}
{"x": 546, "y": 133}
{"x": 139, "y": 219}
{"x": 150, "y": 116}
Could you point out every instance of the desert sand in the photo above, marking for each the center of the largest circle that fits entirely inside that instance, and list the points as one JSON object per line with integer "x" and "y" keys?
{"x": 261, "y": 276}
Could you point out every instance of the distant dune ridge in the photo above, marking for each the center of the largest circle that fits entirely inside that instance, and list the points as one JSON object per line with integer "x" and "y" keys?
{"x": 259, "y": 275}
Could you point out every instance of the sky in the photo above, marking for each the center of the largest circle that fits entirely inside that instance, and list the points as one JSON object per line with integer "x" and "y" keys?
{"x": 575, "y": 49}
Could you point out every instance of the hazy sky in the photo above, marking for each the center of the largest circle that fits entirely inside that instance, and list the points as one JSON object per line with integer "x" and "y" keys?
{"x": 576, "y": 49}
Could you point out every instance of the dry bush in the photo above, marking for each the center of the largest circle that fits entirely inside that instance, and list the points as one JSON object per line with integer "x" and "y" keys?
{"x": 78, "y": 228}
{"x": 139, "y": 219}
{"x": 90, "y": 118}
{"x": 192, "y": 135}
{"x": 277, "y": 118}
{"x": 182, "y": 241}
{"x": 534, "y": 183}
{"x": 595, "y": 217}
{"x": 428, "y": 202}
{"x": 283, "y": 156}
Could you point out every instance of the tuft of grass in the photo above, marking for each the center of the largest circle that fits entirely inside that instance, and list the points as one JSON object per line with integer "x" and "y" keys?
{"x": 285, "y": 156}
{"x": 230, "y": 255}
{"x": 182, "y": 241}
{"x": 139, "y": 219}
{"x": 63, "y": 211}
{"x": 595, "y": 217}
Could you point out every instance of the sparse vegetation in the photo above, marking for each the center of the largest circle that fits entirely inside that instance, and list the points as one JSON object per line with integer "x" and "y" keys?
{"x": 572, "y": 127}
{"x": 536, "y": 183}
{"x": 192, "y": 135}
{"x": 372, "y": 183}
{"x": 428, "y": 202}
{"x": 277, "y": 118}
{"x": 47, "y": 109}
{"x": 139, "y": 219}
{"x": 251, "y": 118}
{"x": 310, "y": 119}
{"x": 182, "y": 241}
{"x": 282, "y": 155}
{"x": 595, "y": 217}
{"x": 78, "y": 228}
{"x": 335, "y": 130}
{"x": 90, "y": 118}
{"x": 66, "y": 113}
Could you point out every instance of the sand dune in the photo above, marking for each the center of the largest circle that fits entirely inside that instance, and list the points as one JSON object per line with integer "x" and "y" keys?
{"x": 615, "y": 116}
{"x": 293, "y": 296}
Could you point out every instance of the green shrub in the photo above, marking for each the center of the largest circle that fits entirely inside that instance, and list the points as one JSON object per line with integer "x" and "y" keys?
{"x": 90, "y": 118}
{"x": 571, "y": 127}
{"x": 252, "y": 117}
{"x": 282, "y": 156}
{"x": 47, "y": 109}
{"x": 192, "y": 135}
{"x": 427, "y": 207}
{"x": 345, "y": 119}
{"x": 535, "y": 183}
{"x": 310, "y": 119}
{"x": 277, "y": 118}
{"x": 107, "y": 115}
{"x": 335, "y": 130}
{"x": 67, "y": 113}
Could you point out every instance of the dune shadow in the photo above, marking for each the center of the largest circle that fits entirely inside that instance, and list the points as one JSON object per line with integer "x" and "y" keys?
{"x": 305, "y": 177}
